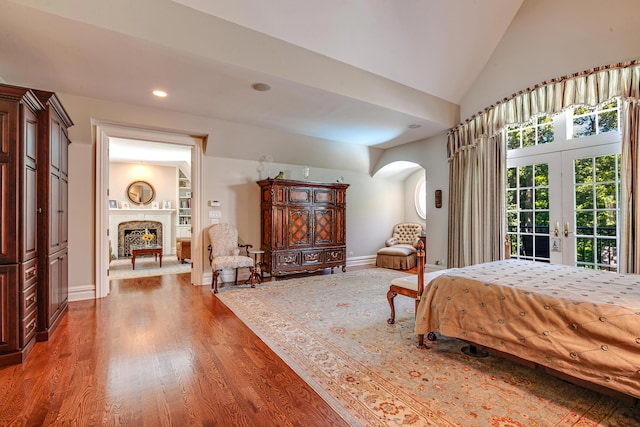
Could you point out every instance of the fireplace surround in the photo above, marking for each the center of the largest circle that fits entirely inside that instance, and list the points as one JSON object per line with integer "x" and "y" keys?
{"x": 157, "y": 221}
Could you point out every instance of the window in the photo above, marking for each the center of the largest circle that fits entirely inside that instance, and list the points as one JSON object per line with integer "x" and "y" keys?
{"x": 421, "y": 197}
{"x": 538, "y": 131}
{"x": 563, "y": 183}
{"x": 589, "y": 121}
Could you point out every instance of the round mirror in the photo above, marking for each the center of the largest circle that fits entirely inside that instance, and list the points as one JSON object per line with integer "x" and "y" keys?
{"x": 140, "y": 192}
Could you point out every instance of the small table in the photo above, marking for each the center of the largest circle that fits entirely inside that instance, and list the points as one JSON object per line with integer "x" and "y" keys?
{"x": 155, "y": 250}
{"x": 257, "y": 264}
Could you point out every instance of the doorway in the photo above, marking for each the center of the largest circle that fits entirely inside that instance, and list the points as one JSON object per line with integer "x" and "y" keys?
{"x": 107, "y": 131}
{"x": 563, "y": 188}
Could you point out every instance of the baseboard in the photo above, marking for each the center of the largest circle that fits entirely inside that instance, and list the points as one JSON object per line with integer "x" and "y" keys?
{"x": 81, "y": 293}
{"x": 433, "y": 267}
{"x": 361, "y": 260}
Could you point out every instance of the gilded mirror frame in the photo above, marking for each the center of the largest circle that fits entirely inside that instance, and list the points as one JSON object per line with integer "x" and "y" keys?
{"x": 141, "y": 193}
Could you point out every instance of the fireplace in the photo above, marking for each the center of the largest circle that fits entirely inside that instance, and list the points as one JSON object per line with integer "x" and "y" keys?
{"x": 161, "y": 220}
{"x": 130, "y": 234}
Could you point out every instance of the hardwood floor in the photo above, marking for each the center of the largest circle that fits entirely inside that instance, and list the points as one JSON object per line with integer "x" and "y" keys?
{"x": 156, "y": 352}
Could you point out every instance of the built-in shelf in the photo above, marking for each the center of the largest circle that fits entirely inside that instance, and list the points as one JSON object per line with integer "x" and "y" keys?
{"x": 184, "y": 206}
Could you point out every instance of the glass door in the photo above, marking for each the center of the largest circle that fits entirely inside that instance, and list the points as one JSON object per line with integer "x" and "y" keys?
{"x": 532, "y": 200}
{"x": 562, "y": 207}
{"x": 590, "y": 212}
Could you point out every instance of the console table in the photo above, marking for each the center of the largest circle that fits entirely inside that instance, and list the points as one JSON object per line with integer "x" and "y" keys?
{"x": 155, "y": 250}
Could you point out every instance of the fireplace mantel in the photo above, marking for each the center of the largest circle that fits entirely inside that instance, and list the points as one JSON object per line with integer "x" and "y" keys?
{"x": 164, "y": 216}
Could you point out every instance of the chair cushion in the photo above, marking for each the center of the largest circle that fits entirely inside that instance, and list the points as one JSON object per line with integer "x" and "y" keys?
{"x": 232, "y": 261}
{"x": 411, "y": 282}
{"x": 397, "y": 250}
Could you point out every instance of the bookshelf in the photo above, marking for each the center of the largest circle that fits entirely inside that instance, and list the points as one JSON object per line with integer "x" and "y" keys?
{"x": 184, "y": 206}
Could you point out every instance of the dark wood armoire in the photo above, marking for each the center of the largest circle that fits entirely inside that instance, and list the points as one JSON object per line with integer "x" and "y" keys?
{"x": 302, "y": 225}
{"x": 19, "y": 109}
{"x": 26, "y": 141}
{"x": 53, "y": 190}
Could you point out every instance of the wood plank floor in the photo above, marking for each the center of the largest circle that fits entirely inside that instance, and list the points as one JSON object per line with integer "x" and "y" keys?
{"x": 156, "y": 352}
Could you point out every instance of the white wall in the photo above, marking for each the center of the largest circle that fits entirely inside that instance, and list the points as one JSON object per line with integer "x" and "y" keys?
{"x": 81, "y": 222}
{"x": 551, "y": 38}
{"x": 162, "y": 178}
{"x": 373, "y": 205}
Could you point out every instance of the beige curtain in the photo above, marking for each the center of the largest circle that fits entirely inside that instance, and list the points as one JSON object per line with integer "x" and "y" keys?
{"x": 476, "y": 150}
{"x": 629, "y": 256}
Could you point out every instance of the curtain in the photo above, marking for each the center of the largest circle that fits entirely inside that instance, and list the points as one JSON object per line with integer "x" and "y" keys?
{"x": 629, "y": 253}
{"x": 476, "y": 149}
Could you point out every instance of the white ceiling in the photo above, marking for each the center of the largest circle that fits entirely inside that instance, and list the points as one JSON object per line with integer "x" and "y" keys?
{"x": 354, "y": 71}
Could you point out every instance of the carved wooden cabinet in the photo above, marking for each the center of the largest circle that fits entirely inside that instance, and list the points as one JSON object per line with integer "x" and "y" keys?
{"x": 19, "y": 164}
{"x": 33, "y": 218}
{"x": 53, "y": 185}
{"x": 302, "y": 225}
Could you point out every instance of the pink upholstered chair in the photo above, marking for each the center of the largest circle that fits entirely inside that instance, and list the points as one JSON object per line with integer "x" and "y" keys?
{"x": 224, "y": 253}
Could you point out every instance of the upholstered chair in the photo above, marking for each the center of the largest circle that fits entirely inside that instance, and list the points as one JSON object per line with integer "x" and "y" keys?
{"x": 224, "y": 253}
{"x": 399, "y": 252}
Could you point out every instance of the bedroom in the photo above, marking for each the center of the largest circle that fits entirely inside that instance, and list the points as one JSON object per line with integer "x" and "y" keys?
{"x": 609, "y": 41}
{"x": 556, "y": 31}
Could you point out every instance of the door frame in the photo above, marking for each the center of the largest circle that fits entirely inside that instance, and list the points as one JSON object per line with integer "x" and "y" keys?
{"x": 568, "y": 197}
{"x": 105, "y": 130}
{"x": 560, "y": 161}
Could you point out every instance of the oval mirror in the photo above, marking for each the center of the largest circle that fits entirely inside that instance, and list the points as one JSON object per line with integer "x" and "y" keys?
{"x": 140, "y": 192}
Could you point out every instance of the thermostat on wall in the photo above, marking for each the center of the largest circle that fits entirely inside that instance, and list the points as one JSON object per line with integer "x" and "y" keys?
{"x": 214, "y": 203}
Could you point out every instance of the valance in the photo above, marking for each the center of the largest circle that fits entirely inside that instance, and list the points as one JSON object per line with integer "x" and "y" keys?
{"x": 590, "y": 88}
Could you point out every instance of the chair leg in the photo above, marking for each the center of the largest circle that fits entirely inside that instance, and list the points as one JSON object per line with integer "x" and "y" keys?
{"x": 390, "y": 296}
{"x": 235, "y": 281}
{"x": 252, "y": 276}
{"x": 214, "y": 282}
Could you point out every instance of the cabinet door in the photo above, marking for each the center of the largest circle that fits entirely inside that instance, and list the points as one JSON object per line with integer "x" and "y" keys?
{"x": 8, "y": 187}
{"x": 8, "y": 308}
{"x": 63, "y": 286}
{"x": 323, "y": 228}
{"x": 299, "y": 227}
{"x": 339, "y": 226}
{"x": 30, "y": 186}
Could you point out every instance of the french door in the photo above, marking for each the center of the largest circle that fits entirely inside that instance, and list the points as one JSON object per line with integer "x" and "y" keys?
{"x": 562, "y": 206}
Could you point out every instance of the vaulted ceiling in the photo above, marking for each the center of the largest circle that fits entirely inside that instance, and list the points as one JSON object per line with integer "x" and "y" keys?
{"x": 353, "y": 71}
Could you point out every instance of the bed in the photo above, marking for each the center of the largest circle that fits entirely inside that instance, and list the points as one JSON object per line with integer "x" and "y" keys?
{"x": 577, "y": 323}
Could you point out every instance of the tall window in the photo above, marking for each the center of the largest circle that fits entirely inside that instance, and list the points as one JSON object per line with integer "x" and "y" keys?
{"x": 563, "y": 183}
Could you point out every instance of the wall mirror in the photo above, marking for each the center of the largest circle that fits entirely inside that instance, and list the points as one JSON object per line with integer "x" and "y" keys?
{"x": 140, "y": 192}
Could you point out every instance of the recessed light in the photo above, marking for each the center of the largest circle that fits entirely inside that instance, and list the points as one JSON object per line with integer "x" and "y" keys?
{"x": 160, "y": 93}
{"x": 414, "y": 126}
{"x": 261, "y": 87}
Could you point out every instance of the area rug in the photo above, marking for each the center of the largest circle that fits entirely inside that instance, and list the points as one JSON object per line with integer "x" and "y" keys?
{"x": 146, "y": 267}
{"x": 332, "y": 330}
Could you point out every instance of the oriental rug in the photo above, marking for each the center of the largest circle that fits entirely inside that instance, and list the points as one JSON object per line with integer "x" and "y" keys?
{"x": 146, "y": 266}
{"x": 332, "y": 330}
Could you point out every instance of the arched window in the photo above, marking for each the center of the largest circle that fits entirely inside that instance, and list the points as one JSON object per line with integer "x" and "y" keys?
{"x": 421, "y": 197}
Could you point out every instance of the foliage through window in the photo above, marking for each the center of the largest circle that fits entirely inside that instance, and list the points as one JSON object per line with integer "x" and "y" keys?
{"x": 589, "y": 121}
{"x": 538, "y": 131}
{"x": 528, "y": 211}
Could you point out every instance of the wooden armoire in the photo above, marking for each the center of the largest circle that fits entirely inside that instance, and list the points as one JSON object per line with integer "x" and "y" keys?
{"x": 302, "y": 225}
{"x": 24, "y": 159}
{"x": 53, "y": 213}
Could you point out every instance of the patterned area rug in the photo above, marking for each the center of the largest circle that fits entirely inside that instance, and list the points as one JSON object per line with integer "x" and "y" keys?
{"x": 146, "y": 266}
{"x": 332, "y": 330}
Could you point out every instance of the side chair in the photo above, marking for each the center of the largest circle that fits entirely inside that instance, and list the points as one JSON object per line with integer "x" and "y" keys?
{"x": 224, "y": 253}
